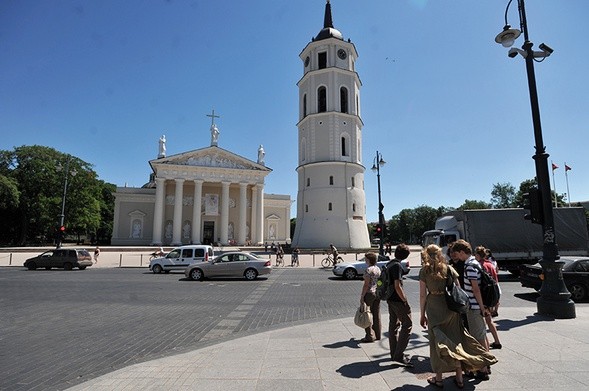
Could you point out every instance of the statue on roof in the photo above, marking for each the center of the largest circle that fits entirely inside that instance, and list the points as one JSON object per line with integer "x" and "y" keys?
{"x": 214, "y": 130}
{"x": 261, "y": 155}
{"x": 162, "y": 150}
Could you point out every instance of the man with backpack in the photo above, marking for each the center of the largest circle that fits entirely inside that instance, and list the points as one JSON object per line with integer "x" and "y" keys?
{"x": 472, "y": 285}
{"x": 400, "y": 323}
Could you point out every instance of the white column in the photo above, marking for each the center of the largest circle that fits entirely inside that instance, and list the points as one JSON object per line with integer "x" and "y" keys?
{"x": 254, "y": 217}
{"x": 177, "y": 227}
{"x": 196, "y": 205}
{"x": 158, "y": 211}
{"x": 260, "y": 210}
{"x": 224, "y": 212}
{"x": 241, "y": 237}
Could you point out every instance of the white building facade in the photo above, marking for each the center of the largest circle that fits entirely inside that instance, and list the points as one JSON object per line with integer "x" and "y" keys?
{"x": 205, "y": 196}
{"x": 331, "y": 203}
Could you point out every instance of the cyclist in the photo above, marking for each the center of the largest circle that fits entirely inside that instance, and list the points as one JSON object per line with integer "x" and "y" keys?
{"x": 334, "y": 253}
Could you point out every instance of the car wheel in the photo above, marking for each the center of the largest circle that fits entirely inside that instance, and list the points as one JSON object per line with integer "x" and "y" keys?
{"x": 196, "y": 274}
{"x": 157, "y": 269}
{"x": 250, "y": 274}
{"x": 81, "y": 267}
{"x": 67, "y": 266}
{"x": 578, "y": 291}
{"x": 350, "y": 274}
{"x": 47, "y": 267}
{"x": 32, "y": 266}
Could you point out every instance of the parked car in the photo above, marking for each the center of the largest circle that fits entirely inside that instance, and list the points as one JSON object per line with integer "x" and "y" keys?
{"x": 230, "y": 264}
{"x": 66, "y": 259}
{"x": 575, "y": 273}
{"x": 181, "y": 257}
{"x": 351, "y": 270}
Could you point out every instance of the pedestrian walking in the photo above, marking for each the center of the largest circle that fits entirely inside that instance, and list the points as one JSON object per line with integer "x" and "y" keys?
{"x": 451, "y": 347}
{"x": 368, "y": 296}
{"x": 481, "y": 256}
{"x": 294, "y": 260}
{"x": 477, "y": 312}
{"x": 400, "y": 323}
{"x": 96, "y": 254}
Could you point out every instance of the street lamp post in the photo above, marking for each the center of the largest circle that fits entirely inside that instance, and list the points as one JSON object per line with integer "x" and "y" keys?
{"x": 379, "y": 162}
{"x": 67, "y": 172}
{"x": 554, "y": 297}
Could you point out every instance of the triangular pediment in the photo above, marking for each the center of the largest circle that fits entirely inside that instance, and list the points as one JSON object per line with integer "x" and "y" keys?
{"x": 210, "y": 157}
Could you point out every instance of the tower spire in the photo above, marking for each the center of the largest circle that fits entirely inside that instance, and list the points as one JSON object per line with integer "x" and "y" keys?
{"x": 327, "y": 20}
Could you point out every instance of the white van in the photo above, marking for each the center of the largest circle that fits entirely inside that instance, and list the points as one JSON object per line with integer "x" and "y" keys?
{"x": 181, "y": 257}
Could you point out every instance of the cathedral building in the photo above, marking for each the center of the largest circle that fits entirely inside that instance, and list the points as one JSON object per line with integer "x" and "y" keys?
{"x": 331, "y": 203}
{"x": 204, "y": 196}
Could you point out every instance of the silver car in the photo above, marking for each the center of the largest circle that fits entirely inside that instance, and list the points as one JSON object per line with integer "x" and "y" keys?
{"x": 231, "y": 264}
{"x": 351, "y": 270}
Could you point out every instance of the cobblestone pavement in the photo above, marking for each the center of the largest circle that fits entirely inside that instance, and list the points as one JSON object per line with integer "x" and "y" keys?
{"x": 62, "y": 328}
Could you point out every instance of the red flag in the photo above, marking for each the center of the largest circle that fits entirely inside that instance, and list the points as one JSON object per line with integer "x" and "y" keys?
{"x": 554, "y": 166}
{"x": 567, "y": 168}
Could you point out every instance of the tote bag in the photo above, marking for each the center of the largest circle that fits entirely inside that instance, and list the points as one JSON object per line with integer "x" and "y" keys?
{"x": 456, "y": 297}
{"x": 363, "y": 317}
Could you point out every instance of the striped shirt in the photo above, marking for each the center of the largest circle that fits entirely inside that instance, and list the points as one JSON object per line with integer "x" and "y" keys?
{"x": 471, "y": 272}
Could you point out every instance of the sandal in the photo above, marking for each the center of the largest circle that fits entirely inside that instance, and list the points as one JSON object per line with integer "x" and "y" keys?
{"x": 432, "y": 380}
{"x": 459, "y": 384}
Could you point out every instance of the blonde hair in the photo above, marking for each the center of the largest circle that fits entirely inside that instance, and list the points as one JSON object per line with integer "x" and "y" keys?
{"x": 433, "y": 261}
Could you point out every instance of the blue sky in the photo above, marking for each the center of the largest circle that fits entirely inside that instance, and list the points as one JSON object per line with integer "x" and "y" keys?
{"x": 442, "y": 102}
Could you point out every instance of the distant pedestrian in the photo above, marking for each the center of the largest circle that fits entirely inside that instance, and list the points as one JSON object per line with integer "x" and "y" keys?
{"x": 294, "y": 260}
{"x": 265, "y": 247}
{"x": 96, "y": 254}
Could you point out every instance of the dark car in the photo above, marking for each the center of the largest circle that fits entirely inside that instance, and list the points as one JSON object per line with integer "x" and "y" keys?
{"x": 66, "y": 259}
{"x": 575, "y": 273}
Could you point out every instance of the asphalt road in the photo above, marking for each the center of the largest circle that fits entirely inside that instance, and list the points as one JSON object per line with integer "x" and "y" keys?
{"x": 58, "y": 328}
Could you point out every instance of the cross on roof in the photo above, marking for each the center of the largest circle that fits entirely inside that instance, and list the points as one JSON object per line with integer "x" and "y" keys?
{"x": 213, "y": 116}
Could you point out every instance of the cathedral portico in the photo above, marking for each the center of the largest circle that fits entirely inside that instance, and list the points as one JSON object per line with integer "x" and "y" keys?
{"x": 208, "y": 195}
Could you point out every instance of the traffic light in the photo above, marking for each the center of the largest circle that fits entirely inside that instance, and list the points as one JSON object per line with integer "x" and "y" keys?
{"x": 378, "y": 229}
{"x": 533, "y": 203}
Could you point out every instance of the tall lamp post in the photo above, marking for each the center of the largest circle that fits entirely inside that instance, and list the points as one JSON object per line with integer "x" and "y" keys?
{"x": 67, "y": 173}
{"x": 554, "y": 297}
{"x": 379, "y": 162}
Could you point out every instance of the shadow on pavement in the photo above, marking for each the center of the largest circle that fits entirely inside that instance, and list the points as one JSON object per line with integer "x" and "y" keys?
{"x": 508, "y": 324}
{"x": 351, "y": 343}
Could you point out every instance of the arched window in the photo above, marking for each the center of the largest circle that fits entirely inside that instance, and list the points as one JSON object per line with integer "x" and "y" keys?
{"x": 343, "y": 97}
{"x": 331, "y": 180}
{"x": 353, "y": 207}
{"x": 322, "y": 99}
{"x": 303, "y": 149}
{"x": 353, "y": 182}
{"x": 304, "y": 105}
{"x": 308, "y": 182}
{"x": 344, "y": 149}
{"x": 329, "y": 206}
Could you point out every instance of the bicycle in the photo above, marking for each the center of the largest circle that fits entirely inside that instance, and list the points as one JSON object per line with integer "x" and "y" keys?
{"x": 329, "y": 261}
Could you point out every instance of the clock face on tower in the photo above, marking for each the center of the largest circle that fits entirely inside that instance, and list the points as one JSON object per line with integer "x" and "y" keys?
{"x": 307, "y": 61}
{"x": 342, "y": 54}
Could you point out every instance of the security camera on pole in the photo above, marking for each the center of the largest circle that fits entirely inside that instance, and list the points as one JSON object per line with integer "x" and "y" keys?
{"x": 554, "y": 297}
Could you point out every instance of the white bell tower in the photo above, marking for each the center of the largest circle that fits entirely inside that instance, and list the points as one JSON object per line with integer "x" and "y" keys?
{"x": 331, "y": 204}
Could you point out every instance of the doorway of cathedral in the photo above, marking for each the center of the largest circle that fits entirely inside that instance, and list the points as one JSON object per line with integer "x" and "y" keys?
{"x": 208, "y": 232}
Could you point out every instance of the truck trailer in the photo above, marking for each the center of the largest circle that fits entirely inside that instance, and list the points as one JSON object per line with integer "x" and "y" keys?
{"x": 512, "y": 239}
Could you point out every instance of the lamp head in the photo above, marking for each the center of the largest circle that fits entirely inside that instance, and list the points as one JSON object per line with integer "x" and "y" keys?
{"x": 374, "y": 168}
{"x": 508, "y": 36}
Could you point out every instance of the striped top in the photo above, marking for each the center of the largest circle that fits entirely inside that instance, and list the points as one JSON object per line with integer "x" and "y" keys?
{"x": 471, "y": 272}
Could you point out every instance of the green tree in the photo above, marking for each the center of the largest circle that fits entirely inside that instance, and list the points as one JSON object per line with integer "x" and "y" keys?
{"x": 529, "y": 184}
{"x": 40, "y": 183}
{"x": 503, "y": 195}
{"x": 474, "y": 204}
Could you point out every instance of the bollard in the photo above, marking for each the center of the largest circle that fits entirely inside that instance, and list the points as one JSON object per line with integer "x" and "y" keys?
{"x": 10, "y": 260}
{"x": 141, "y": 261}
{"x": 120, "y": 260}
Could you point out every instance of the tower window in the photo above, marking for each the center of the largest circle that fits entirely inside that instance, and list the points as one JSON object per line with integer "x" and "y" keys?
{"x": 353, "y": 207}
{"x": 308, "y": 182}
{"x": 353, "y": 185}
{"x": 322, "y": 99}
{"x": 344, "y": 151}
{"x": 306, "y": 208}
{"x": 329, "y": 206}
{"x": 343, "y": 97}
{"x": 331, "y": 180}
{"x": 304, "y": 105}
{"x": 322, "y": 57}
